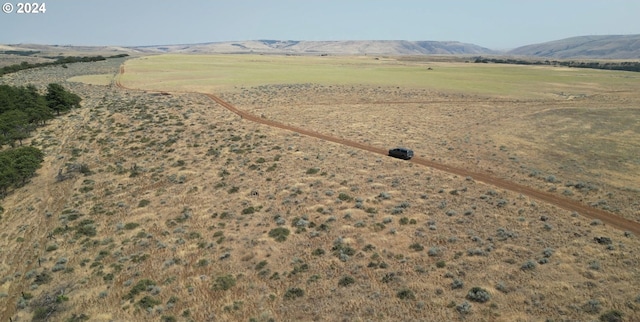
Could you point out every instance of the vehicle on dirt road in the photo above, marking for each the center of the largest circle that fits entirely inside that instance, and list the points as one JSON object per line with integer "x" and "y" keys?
{"x": 401, "y": 153}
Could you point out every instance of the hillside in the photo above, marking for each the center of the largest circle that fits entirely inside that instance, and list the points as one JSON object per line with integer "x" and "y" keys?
{"x": 582, "y": 47}
{"x": 610, "y": 47}
{"x": 187, "y": 212}
{"x": 373, "y": 47}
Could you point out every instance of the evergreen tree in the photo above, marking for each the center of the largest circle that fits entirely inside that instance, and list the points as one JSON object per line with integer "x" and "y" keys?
{"x": 14, "y": 126}
{"x": 59, "y": 100}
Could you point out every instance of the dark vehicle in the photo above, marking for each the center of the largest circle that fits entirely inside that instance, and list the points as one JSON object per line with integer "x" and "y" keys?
{"x": 401, "y": 153}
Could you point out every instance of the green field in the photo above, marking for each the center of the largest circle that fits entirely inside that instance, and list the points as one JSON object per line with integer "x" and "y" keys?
{"x": 212, "y": 73}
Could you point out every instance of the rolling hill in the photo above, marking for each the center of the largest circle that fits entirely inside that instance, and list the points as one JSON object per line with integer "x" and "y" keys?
{"x": 610, "y": 47}
{"x": 582, "y": 47}
{"x": 351, "y": 47}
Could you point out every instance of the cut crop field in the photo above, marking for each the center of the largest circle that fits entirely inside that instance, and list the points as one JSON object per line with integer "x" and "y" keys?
{"x": 220, "y": 72}
{"x": 158, "y": 204}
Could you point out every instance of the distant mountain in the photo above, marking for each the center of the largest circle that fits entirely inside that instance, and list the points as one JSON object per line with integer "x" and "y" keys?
{"x": 584, "y": 47}
{"x": 347, "y": 47}
{"x": 610, "y": 47}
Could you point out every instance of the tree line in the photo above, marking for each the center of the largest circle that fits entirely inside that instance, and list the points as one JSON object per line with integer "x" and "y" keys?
{"x": 624, "y": 66}
{"x": 61, "y": 60}
{"x": 22, "y": 110}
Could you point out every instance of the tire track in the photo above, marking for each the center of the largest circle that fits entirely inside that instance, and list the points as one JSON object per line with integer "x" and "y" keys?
{"x": 564, "y": 203}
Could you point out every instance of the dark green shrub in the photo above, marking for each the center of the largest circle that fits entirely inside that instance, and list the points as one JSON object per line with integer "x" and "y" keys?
{"x": 464, "y": 308}
{"x": 148, "y": 302}
{"x": 611, "y": 316}
{"x": 224, "y": 282}
{"x": 346, "y": 281}
{"x": 313, "y": 170}
{"x": 141, "y": 286}
{"x": 248, "y": 210}
{"x": 143, "y": 203}
{"x": 416, "y": 246}
{"x": 318, "y": 252}
{"x": 406, "y": 294}
{"x": 279, "y": 234}
{"x": 131, "y": 225}
{"x": 344, "y": 197}
{"x": 261, "y": 265}
{"x": 293, "y": 293}
{"x": 528, "y": 265}
{"x": 478, "y": 294}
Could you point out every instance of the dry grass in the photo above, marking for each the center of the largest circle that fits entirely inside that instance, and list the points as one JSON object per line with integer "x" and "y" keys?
{"x": 183, "y": 194}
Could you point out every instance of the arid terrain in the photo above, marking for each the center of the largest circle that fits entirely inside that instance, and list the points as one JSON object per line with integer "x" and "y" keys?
{"x": 184, "y": 211}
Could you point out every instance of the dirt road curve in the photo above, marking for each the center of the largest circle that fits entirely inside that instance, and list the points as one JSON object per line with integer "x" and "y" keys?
{"x": 568, "y": 204}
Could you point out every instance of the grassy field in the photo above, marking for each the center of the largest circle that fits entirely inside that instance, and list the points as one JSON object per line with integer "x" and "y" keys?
{"x": 171, "y": 208}
{"x": 531, "y": 122}
{"x": 219, "y": 72}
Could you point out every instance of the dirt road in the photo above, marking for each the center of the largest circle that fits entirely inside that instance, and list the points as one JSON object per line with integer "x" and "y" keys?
{"x": 568, "y": 204}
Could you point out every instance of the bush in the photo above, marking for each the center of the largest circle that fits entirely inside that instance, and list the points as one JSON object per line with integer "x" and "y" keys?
{"x": 464, "y": 307}
{"x": 611, "y": 316}
{"x": 143, "y": 203}
{"x": 279, "y": 234}
{"x": 346, "y": 281}
{"x": 224, "y": 282}
{"x": 406, "y": 294}
{"x": 293, "y": 293}
{"x": 528, "y": 265}
{"x": 434, "y": 251}
{"x": 478, "y": 294}
{"x": 416, "y": 246}
{"x": 312, "y": 170}
{"x": 592, "y": 307}
{"x": 131, "y": 225}
{"x": 141, "y": 286}
{"x": 248, "y": 210}
{"x": 344, "y": 197}
{"x": 456, "y": 284}
{"x": 148, "y": 302}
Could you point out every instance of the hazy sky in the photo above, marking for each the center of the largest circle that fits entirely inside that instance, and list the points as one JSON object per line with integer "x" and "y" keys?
{"x": 496, "y": 24}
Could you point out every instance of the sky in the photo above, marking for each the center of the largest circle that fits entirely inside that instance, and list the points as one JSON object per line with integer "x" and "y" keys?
{"x": 495, "y": 24}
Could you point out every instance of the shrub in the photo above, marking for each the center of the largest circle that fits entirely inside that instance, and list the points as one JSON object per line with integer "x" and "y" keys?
{"x": 611, "y": 316}
{"x": 224, "y": 282}
{"x": 312, "y": 170}
{"x": 248, "y": 210}
{"x": 51, "y": 247}
{"x": 528, "y": 265}
{"x": 293, "y": 293}
{"x": 406, "y": 294}
{"x": 143, "y": 203}
{"x": 478, "y": 294}
{"x": 464, "y": 307}
{"x": 416, "y": 246}
{"x": 440, "y": 264}
{"x": 456, "y": 284}
{"x": 141, "y": 286}
{"x": 592, "y": 306}
{"x": 131, "y": 225}
{"x": 346, "y": 281}
{"x": 434, "y": 251}
{"x": 344, "y": 197}
{"x": 279, "y": 234}
{"x": 148, "y": 302}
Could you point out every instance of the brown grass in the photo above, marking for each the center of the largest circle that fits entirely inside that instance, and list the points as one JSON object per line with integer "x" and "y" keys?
{"x": 186, "y": 154}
